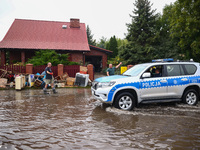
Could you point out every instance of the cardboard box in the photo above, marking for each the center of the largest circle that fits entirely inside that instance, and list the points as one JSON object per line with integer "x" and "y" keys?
{"x": 3, "y": 82}
{"x": 65, "y": 76}
{"x": 70, "y": 81}
{"x": 83, "y": 69}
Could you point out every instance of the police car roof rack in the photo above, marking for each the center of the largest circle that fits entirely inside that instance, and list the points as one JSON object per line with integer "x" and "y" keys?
{"x": 163, "y": 60}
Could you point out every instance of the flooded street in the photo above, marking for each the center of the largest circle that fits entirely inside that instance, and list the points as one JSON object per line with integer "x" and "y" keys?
{"x": 72, "y": 119}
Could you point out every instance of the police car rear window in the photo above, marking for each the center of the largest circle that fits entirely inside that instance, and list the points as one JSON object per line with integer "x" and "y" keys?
{"x": 174, "y": 70}
{"x": 190, "y": 69}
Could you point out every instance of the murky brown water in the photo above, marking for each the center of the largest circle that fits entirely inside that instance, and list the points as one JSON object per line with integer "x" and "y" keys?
{"x": 73, "y": 120}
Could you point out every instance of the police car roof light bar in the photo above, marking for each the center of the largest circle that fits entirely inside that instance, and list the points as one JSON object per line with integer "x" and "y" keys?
{"x": 163, "y": 60}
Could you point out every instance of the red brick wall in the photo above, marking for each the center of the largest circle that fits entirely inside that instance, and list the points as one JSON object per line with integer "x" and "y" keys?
{"x": 98, "y": 53}
{"x": 90, "y": 71}
{"x": 76, "y": 57}
{"x": 29, "y": 68}
{"x": 74, "y": 23}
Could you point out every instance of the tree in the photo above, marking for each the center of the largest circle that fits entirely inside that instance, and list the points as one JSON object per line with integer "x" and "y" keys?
{"x": 141, "y": 33}
{"x": 112, "y": 45}
{"x": 42, "y": 57}
{"x": 165, "y": 46}
{"x": 185, "y": 26}
{"x": 102, "y": 43}
{"x": 90, "y": 36}
{"x": 121, "y": 43}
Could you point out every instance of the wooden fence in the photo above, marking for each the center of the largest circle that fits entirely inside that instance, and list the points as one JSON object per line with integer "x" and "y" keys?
{"x": 14, "y": 68}
{"x": 71, "y": 70}
{"x": 40, "y": 69}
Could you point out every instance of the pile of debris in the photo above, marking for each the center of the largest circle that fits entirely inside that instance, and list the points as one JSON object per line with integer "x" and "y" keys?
{"x": 81, "y": 79}
{"x": 64, "y": 80}
{"x": 3, "y": 82}
{"x": 19, "y": 81}
{"x": 5, "y": 78}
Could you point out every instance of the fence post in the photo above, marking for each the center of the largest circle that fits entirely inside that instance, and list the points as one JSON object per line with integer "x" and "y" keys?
{"x": 129, "y": 66}
{"x": 90, "y": 71}
{"x": 29, "y": 68}
{"x": 60, "y": 69}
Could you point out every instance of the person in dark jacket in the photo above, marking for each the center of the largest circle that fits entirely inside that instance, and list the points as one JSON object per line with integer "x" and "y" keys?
{"x": 49, "y": 78}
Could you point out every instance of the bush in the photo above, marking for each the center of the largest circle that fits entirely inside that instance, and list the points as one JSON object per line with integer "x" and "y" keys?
{"x": 73, "y": 63}
{"x": 42, "y": 57}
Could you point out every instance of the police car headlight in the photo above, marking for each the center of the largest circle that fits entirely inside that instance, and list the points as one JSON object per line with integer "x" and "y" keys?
{"x": 105, "y": 84}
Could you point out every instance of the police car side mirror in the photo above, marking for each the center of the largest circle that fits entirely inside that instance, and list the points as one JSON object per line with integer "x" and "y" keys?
{"x": 146, "y": 75}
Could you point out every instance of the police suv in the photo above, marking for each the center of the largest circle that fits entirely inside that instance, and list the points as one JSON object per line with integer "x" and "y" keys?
{"x": 159, "y": 81}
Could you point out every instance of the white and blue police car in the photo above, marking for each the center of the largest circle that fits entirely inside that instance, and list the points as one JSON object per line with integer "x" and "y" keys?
{"x": 160, "y": 81}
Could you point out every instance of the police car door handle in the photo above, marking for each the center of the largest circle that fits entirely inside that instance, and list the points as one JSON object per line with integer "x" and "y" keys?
{"x": 163, "y": 81}
{"x": 184, "y": 79}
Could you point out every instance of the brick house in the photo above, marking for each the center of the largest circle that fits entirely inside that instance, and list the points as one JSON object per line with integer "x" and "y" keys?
{"x": 27, "y": 36}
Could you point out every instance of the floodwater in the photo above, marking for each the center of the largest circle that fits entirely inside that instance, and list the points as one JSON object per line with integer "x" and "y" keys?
{"x": 72, "y": 119}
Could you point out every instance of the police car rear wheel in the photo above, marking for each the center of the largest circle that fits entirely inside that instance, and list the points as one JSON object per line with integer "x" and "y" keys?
{"x": 190, "y": 97}
{"x": 125, "y": 101}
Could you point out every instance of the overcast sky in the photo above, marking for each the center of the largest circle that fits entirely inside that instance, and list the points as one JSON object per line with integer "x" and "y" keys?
{"x": 105, "y": 17}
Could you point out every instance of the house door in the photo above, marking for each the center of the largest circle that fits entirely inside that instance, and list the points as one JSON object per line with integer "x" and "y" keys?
{"x": 96, "y": 61}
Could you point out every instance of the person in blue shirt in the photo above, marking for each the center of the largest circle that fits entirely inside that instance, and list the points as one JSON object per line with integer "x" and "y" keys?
{"x": 49, "y": 78}
{"x": 111, "y": 69}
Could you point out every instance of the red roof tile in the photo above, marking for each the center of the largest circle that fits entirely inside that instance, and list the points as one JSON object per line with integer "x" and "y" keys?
{"x": 101, "y": 49}
{"x": 34, "y": 34}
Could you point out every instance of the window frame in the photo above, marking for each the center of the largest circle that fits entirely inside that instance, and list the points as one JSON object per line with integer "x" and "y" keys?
{"x": 180, "y": 66}
{"x": 163, "y": 71}
{"x": 185, "y": 70}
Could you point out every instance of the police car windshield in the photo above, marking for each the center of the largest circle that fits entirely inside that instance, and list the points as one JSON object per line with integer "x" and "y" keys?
{"x": 136, "y": 70}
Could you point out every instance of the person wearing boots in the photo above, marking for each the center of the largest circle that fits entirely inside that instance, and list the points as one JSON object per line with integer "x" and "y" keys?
{"x": 49, "y": 78}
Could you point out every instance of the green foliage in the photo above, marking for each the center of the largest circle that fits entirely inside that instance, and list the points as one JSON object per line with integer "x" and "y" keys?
{"x": 149, "y": 35}
{"x": 90, "y": 36}
{"x": 42, "y": 57}
{"x": 175, "y": 34}
{"x": 141, "y": 34}
{"x": 121, "y": 43}
{"x": 115, "y": 61}
{"x": 112, "y": 45}
{"x": 73, "y": 63}
{"x": 118, "y": 43}
{"x": 185, "y": 26}
{"x": 165, "y": 46}
{"x": 142, "y": 28}
{"x": 102, "y": 43}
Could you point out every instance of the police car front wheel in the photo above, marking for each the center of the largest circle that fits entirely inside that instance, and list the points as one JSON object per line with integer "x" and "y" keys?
{"x": 125, "y": 101}
{"x": 190, "y": 97}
